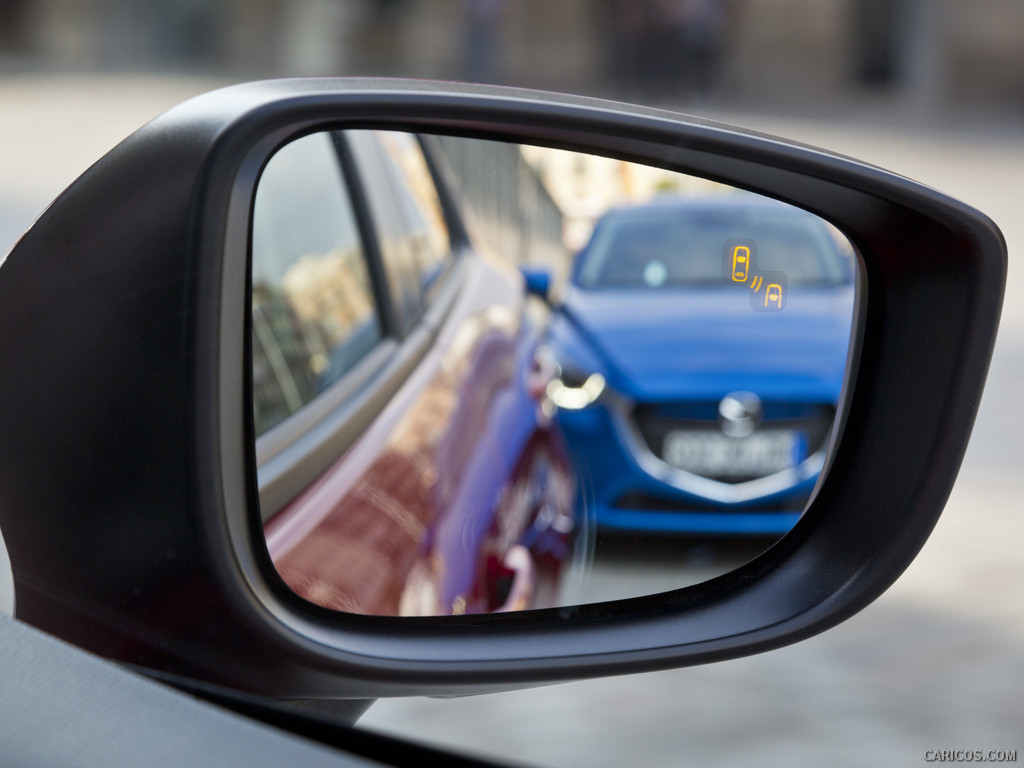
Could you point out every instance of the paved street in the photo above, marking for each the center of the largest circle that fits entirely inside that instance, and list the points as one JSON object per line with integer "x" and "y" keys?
{"x": 937, "y": 663}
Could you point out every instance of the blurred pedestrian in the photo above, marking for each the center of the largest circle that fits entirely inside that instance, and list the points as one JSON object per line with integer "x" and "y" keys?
{"x": 701, "y": 29}
{"x": 665, "y": 49}
{"x": 482, "y": 49}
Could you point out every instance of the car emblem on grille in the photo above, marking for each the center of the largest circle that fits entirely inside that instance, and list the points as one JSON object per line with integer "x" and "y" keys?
{"x": 739, "y": 413}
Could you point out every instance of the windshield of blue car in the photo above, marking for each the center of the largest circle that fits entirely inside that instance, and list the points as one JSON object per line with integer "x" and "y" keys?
{"x": 677, "y": 245}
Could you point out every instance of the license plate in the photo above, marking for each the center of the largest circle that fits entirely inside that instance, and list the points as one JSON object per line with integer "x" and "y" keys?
{"x": 718, "y": 455}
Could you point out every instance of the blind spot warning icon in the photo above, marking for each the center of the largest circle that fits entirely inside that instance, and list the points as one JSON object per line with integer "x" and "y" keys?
{"x": 739, "y": 261}
{"x": 769, "y": 292}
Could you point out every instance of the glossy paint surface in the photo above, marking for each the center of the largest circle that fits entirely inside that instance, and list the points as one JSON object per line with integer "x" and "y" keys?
{"x": 458, "y": 499}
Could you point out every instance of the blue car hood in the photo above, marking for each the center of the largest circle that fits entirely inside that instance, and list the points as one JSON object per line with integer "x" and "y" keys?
{"x": 699, "y": 343}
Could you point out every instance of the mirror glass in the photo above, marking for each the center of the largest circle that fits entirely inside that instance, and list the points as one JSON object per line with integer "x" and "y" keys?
{"x": 493, "y": 377}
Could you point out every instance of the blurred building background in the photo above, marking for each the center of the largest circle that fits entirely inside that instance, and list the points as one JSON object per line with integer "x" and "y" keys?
{"x": 512, "y": 207}
{"x": 921, "y": 54}
{"x": 879, "y": 61}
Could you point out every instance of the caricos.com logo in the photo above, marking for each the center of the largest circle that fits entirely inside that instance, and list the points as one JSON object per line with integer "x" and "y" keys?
{"x": 971, "y": 755}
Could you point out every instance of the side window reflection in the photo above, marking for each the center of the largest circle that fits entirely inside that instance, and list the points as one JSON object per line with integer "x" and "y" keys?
{"x": 427, "y": 233}
{"x": 313, "y": 309}
{"x": 407, "y": 215}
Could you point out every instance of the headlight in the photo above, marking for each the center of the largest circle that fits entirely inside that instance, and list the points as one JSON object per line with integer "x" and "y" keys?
{"x": 574, "y": 398}
{"x": 579, "y": 373}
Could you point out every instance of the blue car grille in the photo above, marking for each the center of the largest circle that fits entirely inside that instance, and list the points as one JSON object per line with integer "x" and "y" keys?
{"x": 655, "y": 421}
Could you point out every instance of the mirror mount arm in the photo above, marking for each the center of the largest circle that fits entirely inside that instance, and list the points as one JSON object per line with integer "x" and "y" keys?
{"x": 538, "y": 281}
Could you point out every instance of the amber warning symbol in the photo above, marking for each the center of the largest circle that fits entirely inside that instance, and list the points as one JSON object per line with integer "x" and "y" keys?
{"x": 739, "y": 261}
{"x": 768, "y": 292}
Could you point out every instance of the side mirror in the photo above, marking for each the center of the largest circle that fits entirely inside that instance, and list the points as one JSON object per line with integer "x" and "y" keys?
{"x": 137, "y": 489}
{"x": 538, "y": 281}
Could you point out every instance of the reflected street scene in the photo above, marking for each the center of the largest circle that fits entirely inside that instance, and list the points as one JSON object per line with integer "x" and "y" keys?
{"x": 594, "y": 397}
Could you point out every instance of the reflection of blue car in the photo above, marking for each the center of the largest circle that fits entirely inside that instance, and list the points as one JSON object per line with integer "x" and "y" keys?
{"x": 685, "y": 410}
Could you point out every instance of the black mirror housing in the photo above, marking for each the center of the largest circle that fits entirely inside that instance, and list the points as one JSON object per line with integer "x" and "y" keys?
{"x": 127, "y": 476}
